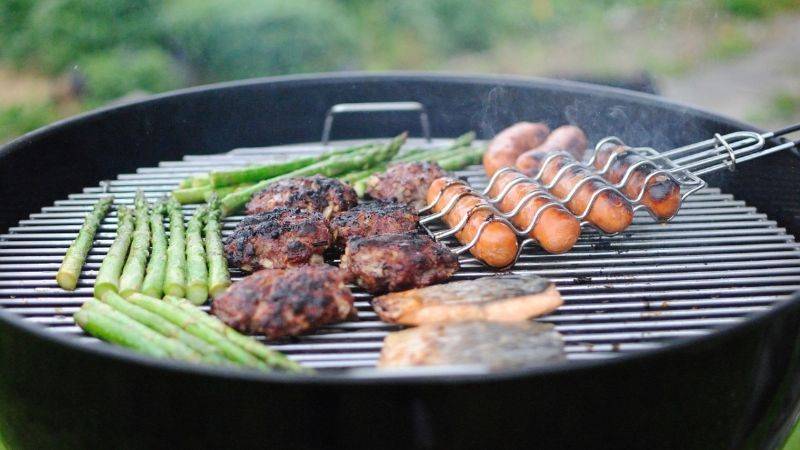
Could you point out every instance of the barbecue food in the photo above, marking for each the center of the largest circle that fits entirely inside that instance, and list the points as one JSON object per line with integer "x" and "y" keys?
{"x": 196, "y": 270}
{"x": 498, "y": 299}
{"x": 317, "y": 193}
{"x": 511, "y": 142}
{"x": 492, "y": 345}
{"x": 111, "y": 267}
{"x": 70, "y": 270}
{"x": 278, "y": 239}
{"x": 130, "y": 280}
{"x": 392, "y": 262}
{"x": 556, "y": 229}
{"x": 287, "y": 302}
{"x": 175, "y": 279}
{"x": 567, "y": 138}
{"x": 153, "y": 284}
{"x": 218, "y": 276}
{"x": 333, "y": 166}
{"x": 497, "y": 245}
{"x": 610, "y": 212}
{"x": 405, "y": 182}
{"x": 662, "y": 195}
{"x": 372, "y": 219}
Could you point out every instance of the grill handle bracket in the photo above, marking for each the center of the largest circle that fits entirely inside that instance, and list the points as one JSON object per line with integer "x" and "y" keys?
{"x": 349, "y": 108}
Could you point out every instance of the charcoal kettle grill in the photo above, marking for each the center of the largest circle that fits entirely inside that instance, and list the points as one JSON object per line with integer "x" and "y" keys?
{"x": 683, "y": 335}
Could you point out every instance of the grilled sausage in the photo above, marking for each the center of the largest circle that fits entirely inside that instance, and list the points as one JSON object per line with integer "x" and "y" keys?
{"x": 611, "y": 212}
{"x": 567, "y": 138}
{"x": 556, "y": 229}
{"x": 497, "y": 245}
{"x": 662, "y": 195}
{"x": 511, "y": 142}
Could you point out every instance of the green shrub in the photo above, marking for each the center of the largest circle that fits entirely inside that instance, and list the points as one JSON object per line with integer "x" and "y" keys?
{"x": 20, "y": 119}
{"x": 226, "y": 39}
{"x": 112, "y": 74}
{"x": 54, "y": 34}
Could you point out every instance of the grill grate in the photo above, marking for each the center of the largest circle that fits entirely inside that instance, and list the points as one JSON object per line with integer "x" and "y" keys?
{"x": 716, "y": 262}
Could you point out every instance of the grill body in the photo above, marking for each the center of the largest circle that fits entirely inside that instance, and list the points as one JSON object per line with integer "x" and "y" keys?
{"x": 731, "y": 389}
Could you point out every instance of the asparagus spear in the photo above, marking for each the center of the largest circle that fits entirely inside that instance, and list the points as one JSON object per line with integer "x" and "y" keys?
{"x": 273, "y": 358}
{"x": 463, "y": 159}
{"x": 175, "y": 279}
{"x": 153, "y": 284}
{"x": 180, "y": 318}
{"x": 262, "y": 172}
{"x": 355, "y": 176}
{"x": 103, "y": 322}
{"x": 225, "y": 190}
{"x": 218, "y": 277}
{"x": 111, "y": 267}
{"x": 70, "y": 270}
{"x": 165, "y": 327}
{"x": 196, "y": 270}
{"x": 191, "y": 195}
{"x": 200, "y": 180}
{"x": 330, "y": 167}
{"x": 413, "y": 155}
{"x": 258, "y": 173}
{"x": 133, "y": 272}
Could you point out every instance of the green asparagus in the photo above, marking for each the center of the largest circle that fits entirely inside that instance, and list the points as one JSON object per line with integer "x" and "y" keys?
{"x": 196, "y": 270}
{"x": 414, "y": 155}
{"x": 153, "y": 284}
{"x": 111, "y": 267}
{"x": 330, "y": 167}
{"x": 225, "y": 190}
{"x": 179, "y": 317}
{"x": 70, "y": 270}
{"x": 102, "y": 321}
{"x": 200, "y": 180}
{"x": 191, "y": 195}
{"x": 165, "y": 327}
{"x": 133, "y": 272}
{"x": 218, "y": 277}
{"x": 463, "y": 159}
{"x": 262, "y": 172}
{"x": 175, "y": 279}
{"x": 273, "y": 358}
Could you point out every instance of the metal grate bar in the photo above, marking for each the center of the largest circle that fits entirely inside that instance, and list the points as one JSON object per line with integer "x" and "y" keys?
{"x": 718, "y": 261}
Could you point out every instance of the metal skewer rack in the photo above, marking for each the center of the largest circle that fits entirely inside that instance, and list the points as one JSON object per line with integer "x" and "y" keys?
{"x": 683, "y": 165}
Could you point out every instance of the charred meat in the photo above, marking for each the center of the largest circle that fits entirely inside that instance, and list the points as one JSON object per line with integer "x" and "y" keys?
{"x": 278, "y": 239}
{"x": 373, "y": 219}
{"x": 498, "y": 299}
{"x": 393, "y": 262}
{"x": 490, "y": 345}
{"x": 317, "y": 193}
{"x": 288, "y": 302}
{"x": 405, "y": 182}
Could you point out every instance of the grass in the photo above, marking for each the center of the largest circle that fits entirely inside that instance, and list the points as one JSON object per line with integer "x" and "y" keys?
{"x": 793, "y": 443}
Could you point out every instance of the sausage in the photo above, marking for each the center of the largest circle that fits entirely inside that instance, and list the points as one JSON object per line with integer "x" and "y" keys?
{"x": 557, "y": 230}
{"x": 511, "y": 142}
{"x": 662, "y": 195}
{"x": 497, "y": 245}
{"x": 567, "y": 138}
{"x": 611, "y": 212}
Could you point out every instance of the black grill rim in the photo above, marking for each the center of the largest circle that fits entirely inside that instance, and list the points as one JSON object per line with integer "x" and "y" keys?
{"x": 690, "y": 344}
{"x": 722, "y": 333}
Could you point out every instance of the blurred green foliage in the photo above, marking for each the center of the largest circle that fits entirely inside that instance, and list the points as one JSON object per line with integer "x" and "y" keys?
{"x": 109, "y": 48}
{"x": 226, "y": 39}
{"x": 19, "y": 119}
{"x": 151, "y": 70}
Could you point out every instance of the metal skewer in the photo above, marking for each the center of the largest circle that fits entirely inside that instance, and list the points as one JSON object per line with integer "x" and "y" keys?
{"x": 684, "y": 165}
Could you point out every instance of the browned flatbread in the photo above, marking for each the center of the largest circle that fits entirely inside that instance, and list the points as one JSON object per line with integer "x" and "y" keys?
{"x": 499, "y": 299}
